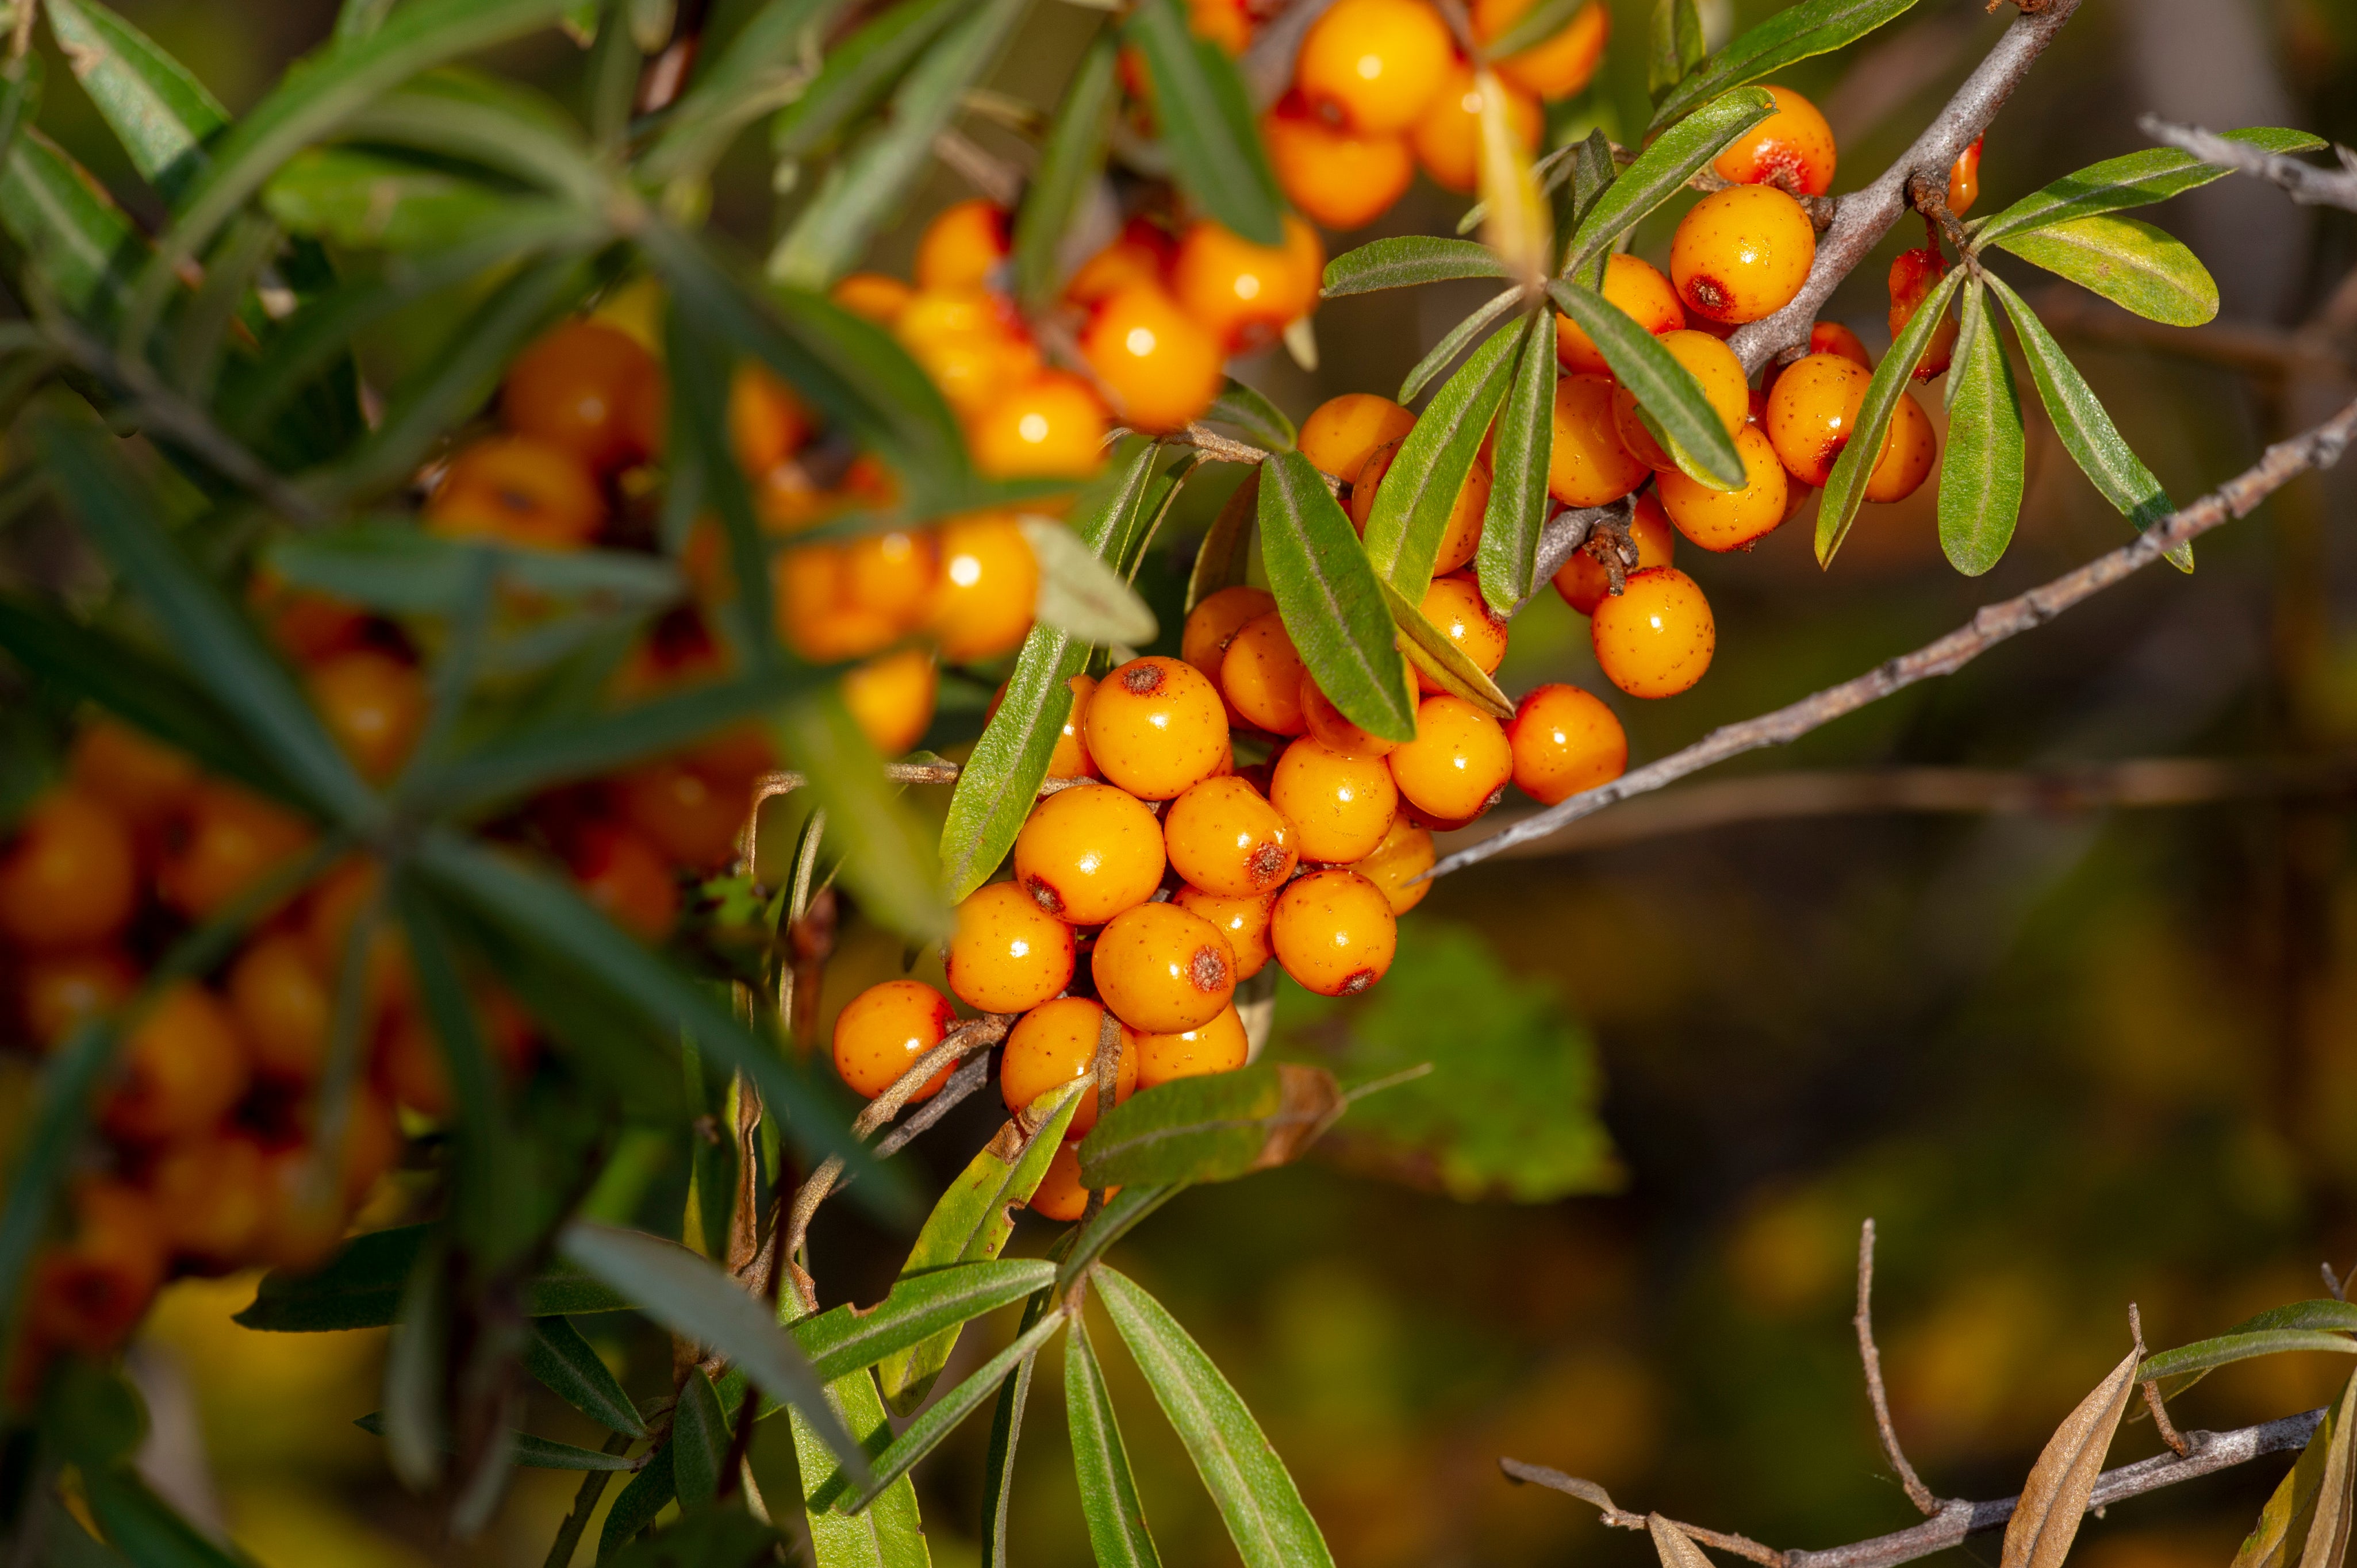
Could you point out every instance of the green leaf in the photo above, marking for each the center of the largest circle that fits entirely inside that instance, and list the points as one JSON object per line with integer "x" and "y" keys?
{"x": 872, "y": 183}
{"x": 1663, "y": 387}
{"x": 1116, "y": 1520}
{"x": 469, "y": 117}
{"x": 1419, "y": 490}
{"x": 845, "y": 1339}
{"x": 2155, "y": 173}
{"x": 858, "y": 72}
{"x": 371, "y": 200}
{"x": 920, "y": 1436}
{"x": 144, "y": 1528}
{"x": 1263, "y": 1509}
{"x": 1535, "y": 26}
{"x": 79, "y": 246}
{"x": 535, "y": 1453}
{"x": 889, "y": 857}
{"x": 2206, "y": 1355}
{"x": 648, "y": 1494}
{"x": 1006, "y": 1428}
{"x": 360, "y": 1288}
{"x": 1429, "y": 650}
{"x": 1788, "y": 37}
{"x": 52, "y": 1129}
{"x": 90, "y": 1414}
{"x": 411, "y": 1425}
{"x": 1406, "y": 260}
{"x": 568, "y": 1368}
{"x": 1070, "y": 161}
{"x": 1981, "y": 472}
{"x": 1845, "y": 486}
{"x": 401, "y": 569}
{"x": 1215, "y": 1127}
{"x": 716, "y": 1538}
{"x": 1206, "y": 123}
{"x": 159, "y": 112}
{"x": 1081, "y": 594}
{"x": 702, "y": 459}
{"x": 699, "y": 1443}
{"x": 1509, "y": 552}
{"x": 1252, "y": 416}
{"x": 887, "y": 1533}
{"x": 2280, "y": 1537}
{"x": 759, "y": 70}
{"x": 1677, "y": 44}
{"x": 2128, "y": 262}
{"x": 1662, "y": 170}
{"x": 1331, "y": 598}
{"x": 1224, "y": 558}
{"x": 1123, "y": 1212}
{"x": 1443, "y": 353}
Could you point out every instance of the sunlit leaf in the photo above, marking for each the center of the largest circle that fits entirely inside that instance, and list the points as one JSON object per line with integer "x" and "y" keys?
{"x": 1419, "y": 490}
{"x": 1789, "y": 36}
{"x": 1845, "y": 486}
{"x": 1982, "y": 471}
{"x": 1252, "y": 416}
{"x": 2280, "y": 1537}
{"x": 1434, "y": 655}
{"x": 1206, "y": 123}
{"x": 1109, "y": 1503}
{"x": 1070, "y": 162}
{"x": 2128, "y": 262}
{"x": 1663, "y": 386}
{"x": 940, "y": 1418}
{"x": 1662, "y": 170}
{"x": 2136, "y": 179}
{"x": 1331, "y": 598}
{"x": 1215, "y": 1127}
{"x": 1519, "y": 458}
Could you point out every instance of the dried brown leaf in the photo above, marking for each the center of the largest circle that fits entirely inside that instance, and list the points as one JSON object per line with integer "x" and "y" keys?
{"x": 1309, "y": 1100}
{"x": 2055, "y": 1498}
{"x": 1676, "y": 1548}
{"x": 2328, "y": 1531}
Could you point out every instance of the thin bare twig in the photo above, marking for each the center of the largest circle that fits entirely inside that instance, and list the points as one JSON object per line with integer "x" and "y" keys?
{"x": 2334, "y": 1283}
{"x": 2152, "y": 1399}
{"x": 1621, "y": 1519}
{"x": 2304, "y": 183}
{"x": 1871, "y": 1358}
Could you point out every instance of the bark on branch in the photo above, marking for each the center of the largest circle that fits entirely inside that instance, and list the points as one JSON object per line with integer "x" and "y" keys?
{"x": 2304, "y": 183}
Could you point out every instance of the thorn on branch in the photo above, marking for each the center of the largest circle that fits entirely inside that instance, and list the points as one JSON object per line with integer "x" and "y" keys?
{"x": 1917, "y": 1492}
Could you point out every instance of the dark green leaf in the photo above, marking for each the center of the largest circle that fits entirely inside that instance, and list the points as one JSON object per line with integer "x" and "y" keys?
{"x": 1534, "y": 25}
{"x": 1419, "y": 490}
{"x": 160, "y": 112}
{"x": 2204, "y": 1355}
{"x": 1252, "y": 416}
{"x": 1081, "y": 594}
{"x": 699, "y": 1443}
{"x": 1429, "y": 650}
{"x": 90, "y": 1413}
{"x": 372, "y": 201}
{"x": 698, "y": 369}
{"x": 2136, "y": 179}
{"x": 1116, "y": 1520}
{"x": 401, "y": 569}
{"x": 1123, "y": 1212}
{"x": 1406, "y": 260}
{"x": 1443, "y": 353}
{"x": 759, "y": 71}
{"x": 414, "y": 1363}
{"x": 1788, "y": 37}
{"x": 570, "y": 1369}
{"x": 535, "y": 1453}
{"x": 1981, "y": 472}
{"x": 1662, "y": 170}
{"x": 487, "y": 121}
{"x": 2128, "y": 262}
{"x": 53, "y": 1126}
{"x": 1069, "y": 164}
{"x": 360, "y": 1288}
{"x": 1845, "y": 486}
{"x": 144, "y": 1528}
{"x": 889, "y": 861}
{"x": 1677, "y": 45}
{"x": 1006, "y": 1428}
{"x": 1263, "y": 1509}
{"x": 1331, "y": 598}
{"x": 1213, "y": 1128}
{"x": 1519, "y": 459}
{"x": 858, "y": 72}
{"x": 79, "y": 246}
{"x": 1222, "y": 559}
{"x": 648, "y": 1494}
{"x": 1206, "y": 123}
{"x": 920, "y": 1436}
{"x": 1663, "y": 387}
{"x": 843, "y": 1339}
{"x": 717, "y": 1538}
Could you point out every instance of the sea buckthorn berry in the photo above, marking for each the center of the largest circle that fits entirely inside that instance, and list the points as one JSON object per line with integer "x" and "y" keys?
{"x": 1342, "y": 432}
{"x": 1455, "y": 605}
{"x": 1636, "y": 286}
{"x": 60, "y": 991}
{"x": 1565, "y": 740}
{"x": 1160, "y": 367}
{"x": 881, "y": 1032}
{"x": 1088, "y": 853}
{"x": 1227, "y": 23}
{"x": 143, "y": 779}
{"x": 1222, "y": 837}
{"x": 1155, "y": 726}
{"x": 1457, "y": 764}
{"x": 1220, "y": 1045}
{"x": 1243, "y": 921}
{"x": 1334, "y": 731}
{"x": 580, "y": 388}
{"x": 973, "y": 368}
{"x": 374, "y": 705}
{"x": 1726, "y": 386}
{"x": 1404, "y": 854}
{"x": 962, "y": 245}
{"x": 1833, "y": 337}
{"x": 1008, "y": 955}
{"x": 183, "y": 1067}
{"x": 517, "y": 490}
{"x": 1588, "y": 466}
{"x": 766, "y": 421}
{"x": 627, "y": 880}
{"x": 1141, "y": 253}
{"x": 1731, "y": 520}
{"x": 1260, "y": 676}
{"x": 1243, "y": 295}
{"x": 1908, "y": 448}
{"x": 683, "y": 812}
{"x": 880, "y": 299}
{"x": 1163, "y": 970}
{"x": 1656, "y": 638}
{"x": 1913, "y": 275}
{"x": 1052, "y": 1046}
{"x": 89, "y": 1292}
{"x": 1792, "y": 148}
{"x": 212, "y": 1198}
{"x": 71, "y": 876}
{"x": 1555, "y": 67}
{"x": 1051, "y": 427}
{"x": 1212, "y": 625}
{"x": 1964, "y": 179}
{"x": 1334, "y": 933}
{"x": 892, "y": 574}
{"x": 1340, "y": 806}
{"x": 283, "y": 1006}
{"x": 1461, "y": 541}
{"x": 891, "y": 698}
{"x": 815, "y": 613}
{"x": 1070, "y": 759}
{"x": 986, "y": 589}
{"x": 227, "y": 841}
{"x": 1342, "y": 179}
{"x": 1447, "y": 138}
{"x": 1741, "y": 253}
{"x": 1371, "y": 66}
{"x": 1060, "y": 1195}
{"x": 1812, "y": 412}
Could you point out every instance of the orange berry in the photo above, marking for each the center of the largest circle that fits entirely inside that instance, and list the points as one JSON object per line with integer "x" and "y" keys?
{"x": 1588, "y": 465}
{"x": 1723, "y": 519}
{"x": 1227, "y": 23}
{"x": 1061, "y": 1196}
{"x": 1223, "y": 838}
{"x": 283, "y": 1006}
{"x": 768, "y": 423}
{"x": 1340, "y": 806}
{"x": 1052, "y": 428}
{"x": 1070, "y": 759}
{"x": 1447, "y": 138}
{"x": 1461, "y": 541}
{"x": 1455, "y": 605}
{"x": 1260, "y": 676}
{"x": 1155, "y": 726}
{"x": 1637, "y": 288}
{"x": 1055, "y": 1044}
{"x": 1088, "y": 853}
{"x": 880, "y": 299}
{"x": 891, "y": 575}
{"x": 141, "y": 779}
{"x": 627, "y": 880}
{"x": 881, "y": 1032}
{"x": 1163, "y": 970}
{"x": 1909, "y": 448}
{"x": 1220, "y": 1045}
{"x": 1656, "y": 638}
{"x": 1741, "y": 253}
{"x": 1243, "y": 921}
{"x": 969, "y": 343}
{"x": 1565, "y": 740}
{"x": 1008, "y": 955}
{"x": 1371, "y": 66}
{"x": 306, "y": 627}
{"x": 1404, "y": 854}
{"x": 517, "y": 490}
{"x": 1812, "y": 412}
{"x": 1793, "y": 148}
{"x": 1342, "y": 179}
{"x": 1331, "y": 730}
{"x": 1160, "y": 367}
{"x": 70, "y": 876}
{"x": 891, "y": 698}
{"x": 212, "y": 1198}
{"x": 1726, "y": 386}
{"x": 815, "y": 615}
{"x": 988, "y": 584}
{"x": 1459, "y": 762}
{"x": 1142, "y": 254}
{"x": 1342, "y": 432}
{"x": 374, "y": 705}
{"x": 228, "y": 841}
{"x": 183, "y": 1066}
{"x": 60, "y": 991}
{"x": 1243, "y": 295}
{"x": 1964, "y": 179}
{"x": 683, "y": 812}
{"x": 1212, "y": 625}
{"x": 1913, "y": 275}
{"x": 1553, "y": 67}
{"x": 1584, "y": 582}
{"x": 1833, "y": 337}
{"x": 89, "y": 1292}
{"x": 582, "y": 388}
{"x": 1334, "y": 933}
{"x": 963, "y": 245}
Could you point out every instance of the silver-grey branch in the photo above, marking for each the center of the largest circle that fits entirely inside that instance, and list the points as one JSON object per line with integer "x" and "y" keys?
{"x": 2303, "y": 182}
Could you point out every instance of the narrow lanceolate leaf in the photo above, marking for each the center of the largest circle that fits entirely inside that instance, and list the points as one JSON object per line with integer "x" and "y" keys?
{"x": 143, "y": 1528}
{"x": 569, "y": 1368}
{"x": 1006, "y": 1431}
{"x": 699, "y": 1443}
{"x": 2128, "y": 262}
{"x": 649, "y": 1493}
{"x": 1452, "y": 343}
{"x": 845, "y": 1339}
{"x": 1116, "y": 1520}
{"x": 2086, "y": 430}
{"x": 1981, "y": 472}
{"x": 1516, "y": 223}
{"x": 889, "y": 856}
{"x": 2336, "y": 1493}
{"x": 1262, "y": 1507}
{"x": 1213, "y": 1128}
{"x": 888, "y": 1532}
{"x": 1419, "y": 490}
{"x": 1429, "y": 650}
{"x": 1589, "y": 172}
{"x": 1662, "y": 170}
{"x": 1519, "y": 457}
{"x": 524, "y": 1449}
{"x": 1845, "y": 486}
{"x": 2054, "y": 1500}
{"x": 1676, "y": 44}
{"x": 698, "y": 370}
{"x": 1331, "y": 598}
{"x": 1206, "y": 123}
{"x": 1069, "y": 164}
{"x": 1406, "y": 260}
{"x": 2206, "y": 1355}
{"x": 369, "y": 200}
{"x": 1662, "y": 386}
{"x": 1079, "y": 594}
{"x": 160, "y": 112}
{"x": 1674, "y": 1546}
{"x": 2136, "y": 179}
{"x": 857, "y": 74}
{"x": 761, "y": 70}
{"x": 1252, "y": 416}
{"x": 2280, "y": 1538}
{"x": 76, "y": 242}
{"x": 1534, "y": 25}
{"x": 940, "y": 1418}
{"x": 1793, "y": 34}
{"x": 360, "y": 1288}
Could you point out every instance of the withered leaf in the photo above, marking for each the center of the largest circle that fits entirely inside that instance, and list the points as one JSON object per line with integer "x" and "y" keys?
{"x": 2328, "y": 1531}
{"x": 1677, "y": 1549}
{"x": 2055, "y": 1498}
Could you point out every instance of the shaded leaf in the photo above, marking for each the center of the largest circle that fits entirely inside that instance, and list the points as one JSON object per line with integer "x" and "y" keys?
{"x": 1006, "y": 1428}
{"x": 1663, "y": 387}
{"x": 1252, "y": 416}
{"x": 1534, "y": 25}
{"x": 1122, "y": 1213}
{"x": 2136, "y": 179}
{"x": 1404, "y": 261}
{"x": 2128, "y": 262}
{"x": 703, "y": 460}
{"x": 1222, "y": 559}
{"x": 144, "y": 1528}
{"x": 53, "y": 1127}
{"x": 718, "y": 1537}
{"x": 1331, "y": 598}
{"x": 1677, "y": 44}
{"x": 2280, "y": 1537}
{"x": 1116, "y": 1520}
{"x": 1070, "y": 162}
{"x": 568, "y": 1368}
{"x": 372, "y": 201}
{"x": 160, "y": 112}
{"x": 1443, "y": 353}
{"x": 1981, "y": 473}
{"x": 759, "y": 71}
{"x": 649, "y": 1493}
{"x": 360, "y": 1288}
{"x": 889, "y": 861}
{"x": 920, "y": 1436}
{"x": 1507, "y": 559}
{"x": 79, "y": 246}
{"x": 1215, "y": 1127}
{"x": 534, "y": 1453}
{"x": 1431, "y": 651}
{"x": 1790, "y": 35}
{"x": 918, "y": 1307}
{"x": 2054, "y": 1500}
{"x": 858, "y": 72}
{"x": 1662, "y": 170}
{"x": 401, "y": 569}
{"x": 1206, "y": 123}
{"x": 1845, "y": 486}
{"x": 699, "y": 1444}
{"x": 1418, "y": 492}
{"x": 1081, "y": 594}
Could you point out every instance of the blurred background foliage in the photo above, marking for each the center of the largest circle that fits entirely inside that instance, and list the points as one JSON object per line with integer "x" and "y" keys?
{"x": 2066, "y": 1059}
